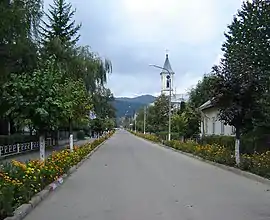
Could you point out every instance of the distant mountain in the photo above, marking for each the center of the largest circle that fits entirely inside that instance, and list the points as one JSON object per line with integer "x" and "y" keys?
{"x": 143, "y": 99}
{"x": 128, "y": 106}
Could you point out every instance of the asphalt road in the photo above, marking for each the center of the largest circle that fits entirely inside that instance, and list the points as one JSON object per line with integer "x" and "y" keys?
{"x": 33, "y": 155}
{"x": 131, "y": 179}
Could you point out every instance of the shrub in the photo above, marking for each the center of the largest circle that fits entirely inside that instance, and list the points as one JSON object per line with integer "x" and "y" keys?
{"x": 249, "y": 143}
{"x": 80, "y": 135}
{"x": 164, "y": 135}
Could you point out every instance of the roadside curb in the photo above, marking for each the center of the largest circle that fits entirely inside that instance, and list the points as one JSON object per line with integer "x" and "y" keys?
{"x": 21, "y": 212}
{"x": 234, "y": 170}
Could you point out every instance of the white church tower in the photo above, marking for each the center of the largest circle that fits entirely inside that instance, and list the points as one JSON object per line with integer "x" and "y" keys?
{"x": 165, "y": 81}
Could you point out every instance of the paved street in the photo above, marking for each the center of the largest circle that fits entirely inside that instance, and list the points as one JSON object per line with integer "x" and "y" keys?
{"x": 35, "y": 154}
{"x": 131, "y": 179}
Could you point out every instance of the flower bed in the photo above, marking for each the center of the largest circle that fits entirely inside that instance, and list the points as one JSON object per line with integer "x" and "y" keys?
{"x": 256, "y": 163}
{"x": 19, "y": 182}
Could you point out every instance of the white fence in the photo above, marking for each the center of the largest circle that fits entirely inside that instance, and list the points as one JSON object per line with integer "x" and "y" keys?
{"x": 13, "y": 149}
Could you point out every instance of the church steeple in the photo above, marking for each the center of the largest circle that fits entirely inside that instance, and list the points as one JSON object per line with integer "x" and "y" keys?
{"x": 167, "y": 64}
{"x": 165, "y": 82}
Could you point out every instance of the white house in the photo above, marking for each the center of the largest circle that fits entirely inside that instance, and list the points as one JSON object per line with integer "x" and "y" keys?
{"x": 210, "y": 124}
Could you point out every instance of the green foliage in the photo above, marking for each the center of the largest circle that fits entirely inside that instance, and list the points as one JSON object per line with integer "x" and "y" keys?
{"x": 80, "y": 135}
{"x": 19, "y": 22}
{"x": 249, "y": 144}
{"x": 157, "y": 115}
{"x": 201, "y": 93}
{"x": 185, "y": 121}
{"x": 16, "y": 138}
{"x": 36, "y": 96}
{"x": 243, "y": 76}
{"x": 45, "y": 97}
{"x": 163, "y": 135}
{"x": 193, "y": 122}
{"x": 179, "y": 123}
{"x": 76, "y": 101}
{"x": 102, "y": 101}
{"x": 39, "y": 92}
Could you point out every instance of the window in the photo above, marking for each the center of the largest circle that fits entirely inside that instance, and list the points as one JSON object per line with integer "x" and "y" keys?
{"x": 168, "y": 83}
{"x": 213, "y": 125}
{"x": 222, "y": 127}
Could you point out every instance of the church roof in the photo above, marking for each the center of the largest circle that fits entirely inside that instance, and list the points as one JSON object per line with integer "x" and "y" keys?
{"x": 167, "y": 65}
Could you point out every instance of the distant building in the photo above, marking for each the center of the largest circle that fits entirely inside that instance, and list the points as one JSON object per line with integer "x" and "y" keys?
{"x": 210, "y": 124}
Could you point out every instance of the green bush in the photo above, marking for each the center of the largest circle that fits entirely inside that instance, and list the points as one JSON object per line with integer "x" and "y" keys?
{"x": 249, "y": 144}
{"x": 164, "y": 135}
{"x": 227, "y": 141}
{"x": 80, "y": 135}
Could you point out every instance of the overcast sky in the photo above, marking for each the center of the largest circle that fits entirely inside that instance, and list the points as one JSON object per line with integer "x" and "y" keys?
{"x": 135, "y": 33}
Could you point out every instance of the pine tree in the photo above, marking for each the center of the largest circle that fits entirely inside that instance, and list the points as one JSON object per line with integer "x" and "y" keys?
{"x": 60, "y": 33}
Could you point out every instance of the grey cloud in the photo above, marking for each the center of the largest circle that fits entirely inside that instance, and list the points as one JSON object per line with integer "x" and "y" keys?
{"x": 104, "y": 29}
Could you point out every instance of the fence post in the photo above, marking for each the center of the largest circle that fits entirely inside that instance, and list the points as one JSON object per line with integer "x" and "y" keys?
{"x": 18, "y": 148}
{"x": 31, "y": 145}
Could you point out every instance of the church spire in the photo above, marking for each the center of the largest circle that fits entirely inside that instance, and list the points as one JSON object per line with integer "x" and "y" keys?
{"x": 167, "y": 64}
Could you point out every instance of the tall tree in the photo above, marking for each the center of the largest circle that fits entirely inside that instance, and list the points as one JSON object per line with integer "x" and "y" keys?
{"x": 19, "y": 21}
{"x": 243, "y": 76}
{"x": 60, "y": 33}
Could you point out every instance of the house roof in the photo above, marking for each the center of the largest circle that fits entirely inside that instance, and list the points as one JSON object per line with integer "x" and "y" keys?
{"x": 167, "y": 65}
{"x": 206, "y": 105}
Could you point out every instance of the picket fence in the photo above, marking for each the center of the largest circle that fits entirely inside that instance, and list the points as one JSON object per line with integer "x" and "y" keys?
{"x": 20, "y": 148}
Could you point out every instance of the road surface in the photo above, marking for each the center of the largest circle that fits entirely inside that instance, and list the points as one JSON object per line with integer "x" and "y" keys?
{"x": 131, "y": 179}
{"x": 33, "y": 155}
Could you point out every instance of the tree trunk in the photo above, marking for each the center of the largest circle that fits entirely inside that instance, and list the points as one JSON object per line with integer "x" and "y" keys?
{"x": 182, "y": 139}
{"x": 42, "y": 146}
{"x": 70, "y": 136}
{"x": 9, "y": 127}
{"x": 237, "y": 146}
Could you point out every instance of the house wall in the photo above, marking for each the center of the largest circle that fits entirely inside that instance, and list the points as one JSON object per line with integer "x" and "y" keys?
{"x": 212, "y": 125}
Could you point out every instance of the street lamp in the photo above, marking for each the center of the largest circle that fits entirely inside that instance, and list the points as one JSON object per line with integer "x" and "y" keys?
{"x": 170, "y": 96}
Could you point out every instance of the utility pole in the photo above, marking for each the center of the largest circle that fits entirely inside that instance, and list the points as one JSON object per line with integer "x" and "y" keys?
{"x": 170, "y": 106}
{"x": 135, "y": 122}
{"x": 144, "y": 120}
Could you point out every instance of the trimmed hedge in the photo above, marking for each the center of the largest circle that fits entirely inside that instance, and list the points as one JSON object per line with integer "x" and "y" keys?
{"x": 249, "y": 143}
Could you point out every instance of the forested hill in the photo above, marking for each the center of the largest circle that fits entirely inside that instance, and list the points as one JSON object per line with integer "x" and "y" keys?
{"x": 129, "y": 106}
